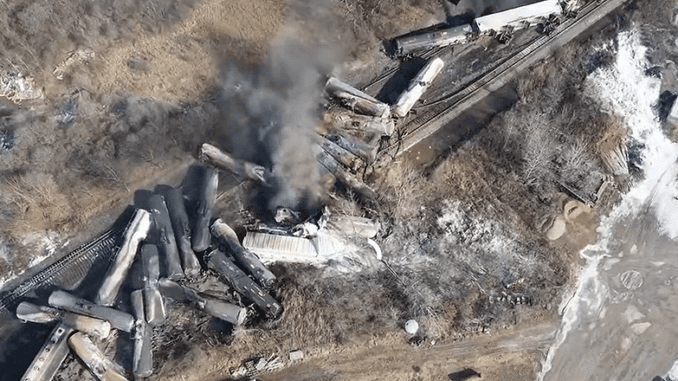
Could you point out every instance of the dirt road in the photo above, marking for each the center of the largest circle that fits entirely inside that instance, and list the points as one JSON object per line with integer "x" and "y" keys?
{"x": 509, "y": 355}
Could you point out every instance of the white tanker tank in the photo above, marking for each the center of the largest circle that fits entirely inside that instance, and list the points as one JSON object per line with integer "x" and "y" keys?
{"x": 418, "y": 86}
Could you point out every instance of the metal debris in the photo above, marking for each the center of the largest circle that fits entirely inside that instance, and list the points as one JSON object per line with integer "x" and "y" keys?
{"x": 296, "y": 355}
{"x": 80, "y": 56}
{"x": 18, "y": 88}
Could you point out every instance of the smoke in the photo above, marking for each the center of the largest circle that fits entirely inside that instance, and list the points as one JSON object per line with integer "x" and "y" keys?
{"x": 270, "y": 113}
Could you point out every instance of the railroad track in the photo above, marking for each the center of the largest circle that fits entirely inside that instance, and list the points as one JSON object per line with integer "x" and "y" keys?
{"x": 437, "y": 115}
{"x": 70, "y": 270}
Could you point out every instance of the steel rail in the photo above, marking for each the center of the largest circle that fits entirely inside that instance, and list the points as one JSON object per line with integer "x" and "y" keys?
{"x": 435, "y": 117}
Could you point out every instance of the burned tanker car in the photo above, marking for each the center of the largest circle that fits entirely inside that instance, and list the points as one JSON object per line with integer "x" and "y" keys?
{"x": 164, "y": 234}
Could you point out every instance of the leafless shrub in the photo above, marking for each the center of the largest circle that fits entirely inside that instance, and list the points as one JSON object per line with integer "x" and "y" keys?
{"x": 405, "y": 191}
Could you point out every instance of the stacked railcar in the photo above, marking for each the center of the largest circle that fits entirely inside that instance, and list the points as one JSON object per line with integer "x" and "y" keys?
{"x": 517, "y": 18}
{"x": 500, "y": 24}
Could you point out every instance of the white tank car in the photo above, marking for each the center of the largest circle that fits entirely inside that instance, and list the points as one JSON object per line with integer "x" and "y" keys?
{"x": 417, "y": 86}
{"x": 517, "y": 18}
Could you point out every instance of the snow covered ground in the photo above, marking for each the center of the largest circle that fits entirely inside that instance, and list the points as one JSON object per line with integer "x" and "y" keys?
{"x": 619, "y": 325}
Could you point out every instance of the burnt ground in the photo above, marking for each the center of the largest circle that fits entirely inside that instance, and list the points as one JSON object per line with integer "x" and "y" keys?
{"x": 143, "y": 84}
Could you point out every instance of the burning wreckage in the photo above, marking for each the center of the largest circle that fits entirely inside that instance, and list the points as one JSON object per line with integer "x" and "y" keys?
{"x": 175, "y": 236}
{"x": 171, "y": 236}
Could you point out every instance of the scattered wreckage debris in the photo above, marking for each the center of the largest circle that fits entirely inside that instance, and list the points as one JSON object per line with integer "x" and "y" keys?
{"x": 70, "y": 271}
{"x": 18, "y": 88}
{"x": 80, "y": 56}
{"x": 296, "y": 355}
{"x": 251, "y": 368}
{"x": 349, "y": 180}
{"x": 181, "y": 220}
{"x": 7, "y": 141}
{"x": 144, "y": 230}
{"x": 55, "y": 350}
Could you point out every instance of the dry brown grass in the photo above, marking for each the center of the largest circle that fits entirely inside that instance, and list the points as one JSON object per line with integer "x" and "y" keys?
{"x": 404, "y": 191}
{"x": 39, "y": 202}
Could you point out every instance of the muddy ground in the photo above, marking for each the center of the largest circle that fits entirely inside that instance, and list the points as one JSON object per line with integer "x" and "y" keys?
{"x": 127, "y": 91}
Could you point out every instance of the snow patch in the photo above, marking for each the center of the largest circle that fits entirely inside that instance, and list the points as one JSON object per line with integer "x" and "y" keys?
{"x": 624, "y": 90}
{"x": 42, "y": 245}
{"x": 17, "y": 87}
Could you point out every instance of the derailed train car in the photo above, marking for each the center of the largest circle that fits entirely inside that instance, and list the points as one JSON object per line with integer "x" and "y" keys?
{"x": 517, "y": 18}
{"x": 500, "y": 24}
{"x": 449, "y": 36}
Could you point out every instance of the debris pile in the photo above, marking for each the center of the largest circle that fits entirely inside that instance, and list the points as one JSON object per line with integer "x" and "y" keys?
{"x": 172, "y": 238}
{"x": 17, "y": 87}
{"x": 166, "y": 241}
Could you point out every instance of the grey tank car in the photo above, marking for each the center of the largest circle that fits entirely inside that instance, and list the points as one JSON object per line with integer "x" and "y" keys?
{"x": 182, "y": 229}
{"x": 243, "y": 257}
{"x": 165, "y": 234}
{"x": 217, "y": 261}
{"x": 200, "y": 188}
{"x": 216, "y": 308}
